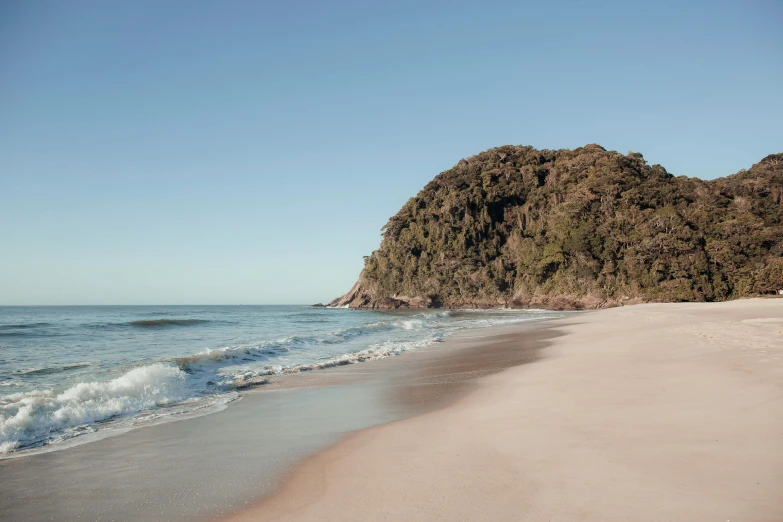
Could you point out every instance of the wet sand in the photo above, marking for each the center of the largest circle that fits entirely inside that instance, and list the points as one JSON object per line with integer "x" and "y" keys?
{"x": 645, "y": 413}
{"x": 211, "y": 466}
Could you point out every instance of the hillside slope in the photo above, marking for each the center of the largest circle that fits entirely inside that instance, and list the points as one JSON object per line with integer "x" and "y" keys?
{"x": 584, "y": 228}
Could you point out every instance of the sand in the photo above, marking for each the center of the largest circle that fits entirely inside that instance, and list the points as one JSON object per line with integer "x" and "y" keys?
{"x": 645, "y": 413}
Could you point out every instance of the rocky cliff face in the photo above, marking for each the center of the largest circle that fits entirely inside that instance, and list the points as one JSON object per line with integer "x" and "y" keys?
{"x": 571, "y": 229}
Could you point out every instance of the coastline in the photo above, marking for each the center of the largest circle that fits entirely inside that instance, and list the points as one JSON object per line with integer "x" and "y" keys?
{"x": 209, "y": 466}
{"x": 654, "y": 412}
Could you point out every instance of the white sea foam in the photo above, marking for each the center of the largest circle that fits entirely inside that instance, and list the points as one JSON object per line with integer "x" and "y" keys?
{"x": 42, "y": 416}
{"x": 209, "y": 358}
{"x": 412, "y": 324}
{"x": 244, "y": 377}
{"x": 247, "y": 377}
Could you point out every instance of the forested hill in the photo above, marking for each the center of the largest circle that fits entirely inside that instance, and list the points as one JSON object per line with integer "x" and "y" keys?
{"x": 585, "y": 228}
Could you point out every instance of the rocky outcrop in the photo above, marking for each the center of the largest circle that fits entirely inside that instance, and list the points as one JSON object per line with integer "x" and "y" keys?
{"x": 359, "y": 298}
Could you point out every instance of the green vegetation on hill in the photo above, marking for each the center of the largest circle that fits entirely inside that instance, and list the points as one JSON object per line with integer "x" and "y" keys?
{"x": 516, "y": 226}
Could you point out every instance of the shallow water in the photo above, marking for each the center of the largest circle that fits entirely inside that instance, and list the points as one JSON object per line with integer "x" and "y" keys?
{"x": 72, "y": 371}
{"x": 210, "y": 466}
{"x": 196, "y": 469}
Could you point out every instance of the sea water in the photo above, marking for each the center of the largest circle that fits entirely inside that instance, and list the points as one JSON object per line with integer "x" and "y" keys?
{"x": 72, "y": 371}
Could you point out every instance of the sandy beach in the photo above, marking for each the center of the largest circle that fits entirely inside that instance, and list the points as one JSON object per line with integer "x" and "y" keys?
{"x": 648, "y": 413}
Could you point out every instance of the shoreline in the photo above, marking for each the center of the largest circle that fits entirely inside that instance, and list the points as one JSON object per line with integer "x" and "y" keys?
{"x": 662, "y": 411}
{"x": 227, "y": 458}
{"x": 272, "y": 378}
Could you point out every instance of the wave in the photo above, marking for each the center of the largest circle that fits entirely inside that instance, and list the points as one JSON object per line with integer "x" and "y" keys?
{"x": 345, "y": 334}
{"x": 21, "y": 326}
{"x": 261, "y": 350}
{"x": 213, "y": 361}
{"x": 153, "y": 323}
{"x": 248, "y": 378}
{"x": 24, "y": 329}
{"x": 158, "y": 323}
{"x": 53, "y": 369}
{"x": 241, "y": 353}
{"x": 12, "y": 333}
{"x": 207, "y": 359}
{"x": 43, "y": 416}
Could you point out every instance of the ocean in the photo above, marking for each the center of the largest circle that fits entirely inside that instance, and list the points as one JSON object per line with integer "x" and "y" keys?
{"x": 72, "y": 371}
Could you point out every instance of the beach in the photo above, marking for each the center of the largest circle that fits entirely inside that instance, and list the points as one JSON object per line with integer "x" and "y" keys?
{"x": 650, "y": 412}
{"x": 645, "y": 412}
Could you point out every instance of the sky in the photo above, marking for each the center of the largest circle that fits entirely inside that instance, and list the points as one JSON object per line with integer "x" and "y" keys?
{"x": 249, "y": 152}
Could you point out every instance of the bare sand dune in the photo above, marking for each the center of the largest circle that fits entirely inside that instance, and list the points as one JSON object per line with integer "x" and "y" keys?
{"x": 645, "y": 413}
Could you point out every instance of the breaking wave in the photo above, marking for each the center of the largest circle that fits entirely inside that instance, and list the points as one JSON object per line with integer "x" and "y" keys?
{"x": 43, "y": 416}
{"x": 246, "y": 378}
{"x": 265, "y": 349}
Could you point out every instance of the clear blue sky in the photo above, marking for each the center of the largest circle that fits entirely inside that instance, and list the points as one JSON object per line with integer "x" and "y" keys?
{"x": 250, "y": 152}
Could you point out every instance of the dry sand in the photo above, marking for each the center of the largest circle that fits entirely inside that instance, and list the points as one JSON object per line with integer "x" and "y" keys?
{"x": 651, "y": 412}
